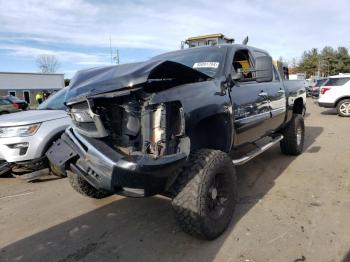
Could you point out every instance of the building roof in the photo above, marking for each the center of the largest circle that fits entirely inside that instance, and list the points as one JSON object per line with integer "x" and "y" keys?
{"x": 197, "y": 38}
{"x": 30, "y": 73}
{"x": 30, "y": 81}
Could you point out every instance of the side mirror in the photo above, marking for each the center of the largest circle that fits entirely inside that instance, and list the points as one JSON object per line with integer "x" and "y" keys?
{"x": 236, "y": 76}
{"x": 263, "y": 69}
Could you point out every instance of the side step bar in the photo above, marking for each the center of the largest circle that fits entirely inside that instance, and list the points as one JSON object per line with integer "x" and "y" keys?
{"x": 256, "y": 152}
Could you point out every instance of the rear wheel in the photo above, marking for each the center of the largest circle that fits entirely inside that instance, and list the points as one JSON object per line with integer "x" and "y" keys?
{"x": 205, "y": 194}
{"x": 343, "y": 108}
{"x": 294, "y": 135}
{"x": 81, "y": 186}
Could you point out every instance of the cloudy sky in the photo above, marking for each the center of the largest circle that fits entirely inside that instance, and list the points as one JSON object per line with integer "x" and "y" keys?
{"x": 78, "y": 31}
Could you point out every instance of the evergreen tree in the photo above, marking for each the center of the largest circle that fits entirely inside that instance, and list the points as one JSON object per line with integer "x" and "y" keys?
{"x": 329, "y": 61}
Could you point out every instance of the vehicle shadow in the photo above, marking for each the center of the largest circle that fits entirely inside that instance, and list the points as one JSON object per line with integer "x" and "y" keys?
{"x": 43, "y": 179}
{"x": 331, "y": 111}
{"x": 145, "y": 229}
{"x": 347, "y": 257}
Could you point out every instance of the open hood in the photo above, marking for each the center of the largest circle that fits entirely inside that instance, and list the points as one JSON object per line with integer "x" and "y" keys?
{"x": 126, "y": 76}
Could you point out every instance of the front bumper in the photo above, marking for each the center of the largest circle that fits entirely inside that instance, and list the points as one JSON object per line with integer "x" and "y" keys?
{"x": 30, "y": 165}
{"x": 23, "y": 149}
{"x": 313, "y": 93}
{"x": 24, "y": 166}
{"x": 15, "y": 149}
{"x": 109, "y": 170}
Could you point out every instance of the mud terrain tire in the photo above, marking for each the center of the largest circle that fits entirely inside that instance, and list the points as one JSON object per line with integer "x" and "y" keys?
{"x": 205, "y": 194}
{"x": 83, "y": 187}
{"x": 294, "y": 136}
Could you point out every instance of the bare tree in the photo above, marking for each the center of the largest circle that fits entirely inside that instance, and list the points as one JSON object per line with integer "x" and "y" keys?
{"x": 294, "y": 62}
{"x": 282, "y": 60}
{"x": 47, "y": 63}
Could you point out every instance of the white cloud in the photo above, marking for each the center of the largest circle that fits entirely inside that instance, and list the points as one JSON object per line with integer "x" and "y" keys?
{"x": 285, "y": 28}
{"x": 65, "y": 56}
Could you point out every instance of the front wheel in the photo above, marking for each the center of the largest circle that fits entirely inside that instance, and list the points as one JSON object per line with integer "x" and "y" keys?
{"x": 294, "y": 136}
{"x": 56, "y": 172}
{"x": 343, "y": 108}
{"x": 80, "y": 185}
{"x": 205, "y": 194}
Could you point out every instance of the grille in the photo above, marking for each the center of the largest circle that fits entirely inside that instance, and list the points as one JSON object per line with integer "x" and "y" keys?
{"x": 113, "y": 118}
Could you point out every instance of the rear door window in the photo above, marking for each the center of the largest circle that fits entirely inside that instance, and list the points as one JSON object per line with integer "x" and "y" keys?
{"x": 337, "y": 81}
{"x": 320, "y": 82}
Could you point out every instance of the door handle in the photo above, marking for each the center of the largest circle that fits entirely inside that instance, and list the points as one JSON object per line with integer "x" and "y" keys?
{"x": 263, "y": 94}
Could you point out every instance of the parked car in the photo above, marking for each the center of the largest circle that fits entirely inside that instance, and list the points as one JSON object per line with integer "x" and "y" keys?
{"x": 18, "y": 103}
{"x": 308, "y": 85}
{"x": 25, "y": 136}
{"x": 315, "y": 89}
{"x": 7, "y": 107}
{"x": 335, "y": 93}
{"x": 166, "y": 126}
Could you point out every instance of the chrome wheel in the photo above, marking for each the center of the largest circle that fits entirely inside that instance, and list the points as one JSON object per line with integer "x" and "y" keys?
{"x": 344, "y": 108}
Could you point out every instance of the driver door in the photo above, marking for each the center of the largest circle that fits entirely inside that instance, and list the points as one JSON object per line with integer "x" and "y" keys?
{"x": 250, "y": 102}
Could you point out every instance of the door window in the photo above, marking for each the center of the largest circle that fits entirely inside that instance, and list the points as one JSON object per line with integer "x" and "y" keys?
{"x": 243, "y": 61}
{"x": 12, "y": 93}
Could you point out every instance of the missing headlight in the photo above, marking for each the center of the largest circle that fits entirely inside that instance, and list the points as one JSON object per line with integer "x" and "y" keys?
{"x": 153, "y": 129}
{"x": 163, "y": 124}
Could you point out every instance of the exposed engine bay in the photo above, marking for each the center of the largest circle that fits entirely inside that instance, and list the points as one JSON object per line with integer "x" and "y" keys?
{"x": 130, "y": 124}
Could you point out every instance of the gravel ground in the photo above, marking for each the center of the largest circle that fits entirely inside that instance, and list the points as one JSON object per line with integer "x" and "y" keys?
{"x": 290, "y": 209}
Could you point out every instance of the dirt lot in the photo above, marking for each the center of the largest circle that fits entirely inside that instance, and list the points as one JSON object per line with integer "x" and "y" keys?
{"x": 290, "y": 209}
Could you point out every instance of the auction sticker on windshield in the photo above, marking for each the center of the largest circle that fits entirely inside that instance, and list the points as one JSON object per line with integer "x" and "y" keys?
{"x": 206, "y": 65}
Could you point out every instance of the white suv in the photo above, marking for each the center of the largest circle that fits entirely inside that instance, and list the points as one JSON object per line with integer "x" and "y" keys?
{"x": 335, "y": 93}
{"x": 25, "y": 136}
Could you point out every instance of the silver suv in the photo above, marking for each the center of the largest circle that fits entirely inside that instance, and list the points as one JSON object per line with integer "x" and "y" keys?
{"x": 26, "y": 136}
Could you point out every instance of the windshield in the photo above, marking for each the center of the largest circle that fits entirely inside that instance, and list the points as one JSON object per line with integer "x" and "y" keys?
{"x": 206, "y": 60}
{"x": 14, "y": 98}
{"x": 55, "y": 101}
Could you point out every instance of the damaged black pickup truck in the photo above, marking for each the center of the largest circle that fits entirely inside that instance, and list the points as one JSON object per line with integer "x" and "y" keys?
{"x": 170, "y": 126}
